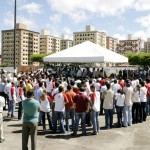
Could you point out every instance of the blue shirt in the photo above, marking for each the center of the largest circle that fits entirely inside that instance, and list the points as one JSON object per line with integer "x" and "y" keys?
{"x": 39, "y": 93}
{"x": 30, "y": 108}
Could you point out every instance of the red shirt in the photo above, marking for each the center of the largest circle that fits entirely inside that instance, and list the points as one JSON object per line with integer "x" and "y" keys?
{"x": 81, "y": 102}
{"x": 102, "y": 82}
{"x": 148, "y": 89}
{"x": 121, "y": 83}
{"x": 70, "y": 95}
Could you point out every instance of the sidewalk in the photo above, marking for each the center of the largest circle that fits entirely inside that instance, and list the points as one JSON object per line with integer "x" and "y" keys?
{"x": 136, "y": 137}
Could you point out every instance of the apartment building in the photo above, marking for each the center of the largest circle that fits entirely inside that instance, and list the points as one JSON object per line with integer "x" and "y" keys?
{"x": 90, "y": 35}
{"x": 49, "y": 43}
{"x": 27, "y": 43}
{"x": 130, "y": 45}
{"x": 147, "y": 46}
{"x": 111, "y": 43}
{"x": 65, "y": 42}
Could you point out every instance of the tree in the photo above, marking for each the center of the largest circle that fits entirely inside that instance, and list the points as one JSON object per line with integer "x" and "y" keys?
{"x": 39, "y": 57}
{"x": 141, "y": 59}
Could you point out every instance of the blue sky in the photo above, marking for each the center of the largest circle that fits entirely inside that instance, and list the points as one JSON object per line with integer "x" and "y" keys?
{"x": 117, "y": 17}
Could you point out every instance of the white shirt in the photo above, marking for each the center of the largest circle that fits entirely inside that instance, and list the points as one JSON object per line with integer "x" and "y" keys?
{"x": 7, "y": 88}
{"x": 136, "y": 96}
{"x": 103, "y": 88}
{"x": 49, "y": 86}
{"x": 45, "y": 106}
{"x": 2, "y": 103}
{"x": 120, "y": 99}
{"x": 115, "y": 88}
{"x": 97, "y": 86}
{"x": 128, "y": 95}
{"x": 59, "y": 102}
{"x": 14, "y": 95}
{"x": 18, "y": 96}
{"x": 143, "y": 93}
{"x": 96, "y": 106}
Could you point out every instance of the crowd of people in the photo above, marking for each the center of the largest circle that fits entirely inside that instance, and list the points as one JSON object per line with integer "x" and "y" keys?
{"x": 62, "y": 98}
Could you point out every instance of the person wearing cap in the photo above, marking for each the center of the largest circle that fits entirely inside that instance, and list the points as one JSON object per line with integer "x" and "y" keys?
{"x": 2, "y": 104}
{"x": 128, "y": 91}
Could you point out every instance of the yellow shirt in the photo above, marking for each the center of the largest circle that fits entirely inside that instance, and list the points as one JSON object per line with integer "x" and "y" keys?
{"x": 28, "y": 87}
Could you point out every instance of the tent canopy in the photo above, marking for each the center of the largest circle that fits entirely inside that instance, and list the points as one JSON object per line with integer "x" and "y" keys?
{"x": 86, "y": 52}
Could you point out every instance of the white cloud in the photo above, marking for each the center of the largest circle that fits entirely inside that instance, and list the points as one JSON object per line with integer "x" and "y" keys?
{"x": 78, "y": 16}
{"x": 32, "y": 8}
{"x": 121, "y": 28}
{"x": 120, "y": 36}
{"x": 55, "y": 19}
{"x": 29, "y": 22}
{"x": 9, "y": 20}
{"x": 67, "y": 31}
{"x": 141, "y": 35}
{"x": 144, "y": 21}
{"x": 141, "y": 5}
{"x": 101, "y": 7}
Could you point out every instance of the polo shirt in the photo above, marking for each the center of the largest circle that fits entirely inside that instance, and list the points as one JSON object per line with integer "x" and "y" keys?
{"x": 81, "y": 102}
{"x": 30, "y": 110}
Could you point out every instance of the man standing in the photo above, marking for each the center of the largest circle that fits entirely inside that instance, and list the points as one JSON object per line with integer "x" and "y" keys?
{"x": 2, "y": 104}
{"x": 81, "y": 104}
{"x": 128, "y": 91}
{"x": 30, "y": 120}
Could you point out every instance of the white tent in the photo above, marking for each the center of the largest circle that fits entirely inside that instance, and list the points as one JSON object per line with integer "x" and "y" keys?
{"x": 86, "y": 52}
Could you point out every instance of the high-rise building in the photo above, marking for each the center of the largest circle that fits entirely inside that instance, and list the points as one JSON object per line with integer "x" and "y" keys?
{"x": 90, "y": 35}
{"x": 130, "y": 45}
{"x": 111, "y": 43}
{"x": 147, "y": 46}
{"x": 27, "y": 43}
{"x": 65, "y": 42}
{"x": 49, "y": 43}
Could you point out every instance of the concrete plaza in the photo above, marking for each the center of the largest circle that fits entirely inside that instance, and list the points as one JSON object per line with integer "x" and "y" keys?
{"x": 136, "y": 137}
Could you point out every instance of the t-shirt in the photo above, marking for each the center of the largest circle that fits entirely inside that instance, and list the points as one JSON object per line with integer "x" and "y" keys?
{"x": 120, "y": 99}
{"x": 28, "y": 87}
{"x": 30, "y": 109}
{"x": 148, "y": 89}
{"x": 70, "y": 95}
{"x": 108, "y": 99}
{"x": 80, "y": 101}
{"x": 128, "y": 95}
{"x": 45, "y": 106}
{"x": 60, "y": 99}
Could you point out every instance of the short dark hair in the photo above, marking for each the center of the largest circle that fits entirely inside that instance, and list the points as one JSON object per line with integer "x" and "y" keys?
{"x": 69, "y": 87}
{"x": 60, "y": 89}
{"x": 142, "y": 83}
{"x": 30, "y": 93}
{"x": 40, "y": 84}
{"x": 82, "y": 89}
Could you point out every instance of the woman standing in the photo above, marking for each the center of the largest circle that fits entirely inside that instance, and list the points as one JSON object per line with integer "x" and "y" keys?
{"x": 45, "y": 109}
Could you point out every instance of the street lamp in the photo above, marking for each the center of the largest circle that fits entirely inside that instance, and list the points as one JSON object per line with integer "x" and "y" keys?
{"x": 15, "y": 37}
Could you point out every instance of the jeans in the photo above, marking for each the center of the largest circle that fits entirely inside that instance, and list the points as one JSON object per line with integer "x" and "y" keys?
{"x": 83, "y": 120}
{"x": 59, "y": 115}
{"x": 70, "y": 112}
{"x": 29, "y": 128}
{"x": 143, "y": 112}
{"x": 136, "y": 112}
{"x": 1, "y": 127}
{"x": 48, "y": 118}
{"x": 108, "y": 118}
{"x": 20, "y": 110}
{"x": 127, "y": 115}
{"x": 119, "y": 115}
{"x": 148, "y": 106}
{"x": 11, "y": 110}
{"x": 40, "y": 118}
{"x": 7, "y": 101}
{"x": 95, "y": 121}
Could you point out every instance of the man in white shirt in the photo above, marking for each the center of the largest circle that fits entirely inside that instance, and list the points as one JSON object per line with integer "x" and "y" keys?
{"x": 6, "y": 91}
{"x": 2, "y": 104}
{"x": 60, "y": 99}
{"x": 128, "y": 91}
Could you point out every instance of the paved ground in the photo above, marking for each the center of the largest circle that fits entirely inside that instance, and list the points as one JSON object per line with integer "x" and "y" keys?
{"x": 136, "y": 137}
